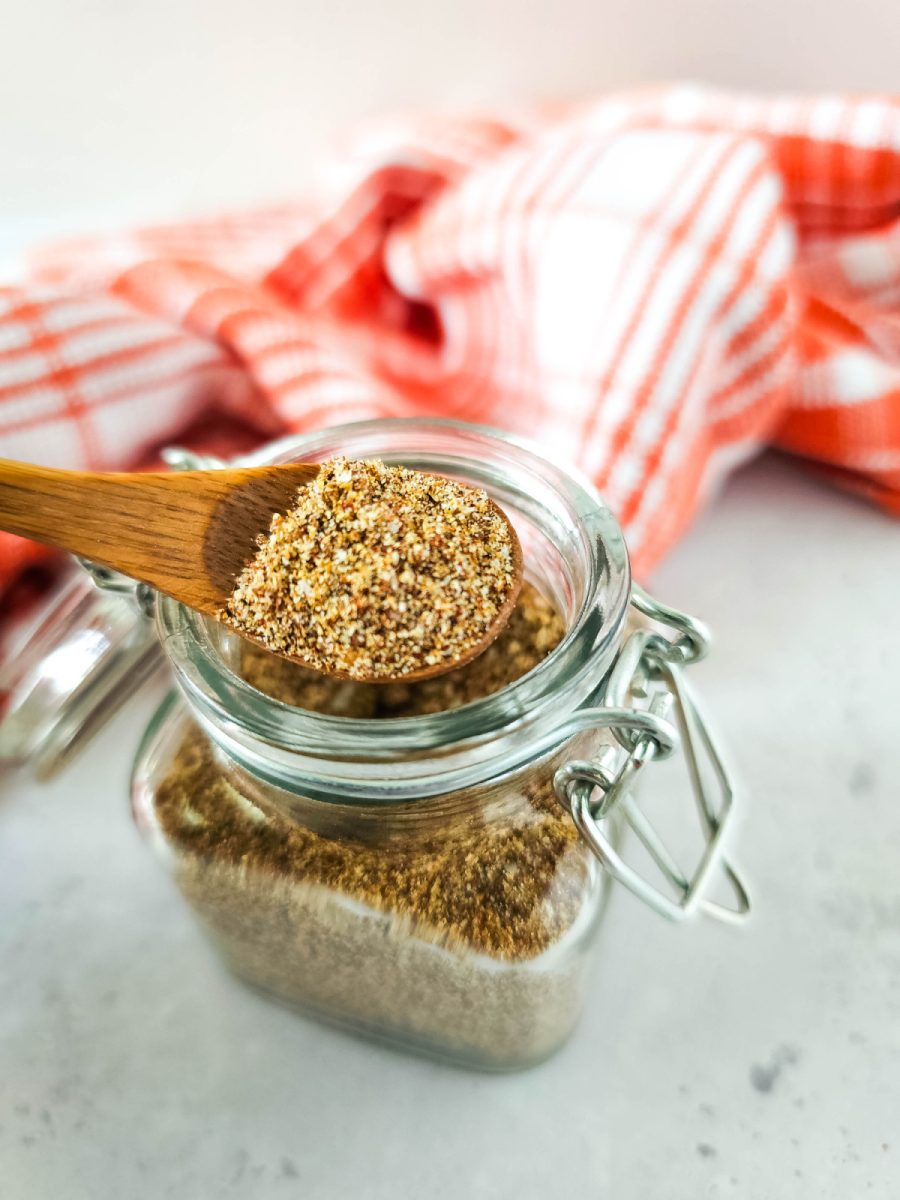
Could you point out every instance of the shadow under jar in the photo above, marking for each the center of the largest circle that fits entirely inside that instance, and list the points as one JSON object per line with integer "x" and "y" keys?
{"x": 411, "y": 878}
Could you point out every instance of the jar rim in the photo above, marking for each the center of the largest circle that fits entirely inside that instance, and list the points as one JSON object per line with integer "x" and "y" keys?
{"x": 278, "y": 740}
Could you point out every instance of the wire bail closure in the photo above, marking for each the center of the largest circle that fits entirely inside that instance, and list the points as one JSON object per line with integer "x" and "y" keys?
{"x": 650, "y": 668}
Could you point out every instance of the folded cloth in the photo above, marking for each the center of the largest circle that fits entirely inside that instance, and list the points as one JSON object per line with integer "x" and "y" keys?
{"x": 653, "y": 286}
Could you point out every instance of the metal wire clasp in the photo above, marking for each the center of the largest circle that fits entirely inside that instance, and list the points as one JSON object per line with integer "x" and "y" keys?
{"x": 650, "y": 671}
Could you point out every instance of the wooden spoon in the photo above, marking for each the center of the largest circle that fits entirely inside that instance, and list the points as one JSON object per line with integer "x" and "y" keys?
{"x": 188, "y": 534}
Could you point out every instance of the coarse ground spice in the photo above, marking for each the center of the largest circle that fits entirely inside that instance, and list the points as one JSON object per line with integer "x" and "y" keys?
{"x": 378, "y": 572}
{"x": 532, "y": 631}
{"x": 444, "y": 937}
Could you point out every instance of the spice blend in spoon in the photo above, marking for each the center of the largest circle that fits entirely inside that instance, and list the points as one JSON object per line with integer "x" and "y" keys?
{"x": 379, "y": 573}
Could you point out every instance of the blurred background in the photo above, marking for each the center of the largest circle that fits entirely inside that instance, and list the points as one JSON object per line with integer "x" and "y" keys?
{"x": 105, "y": 103}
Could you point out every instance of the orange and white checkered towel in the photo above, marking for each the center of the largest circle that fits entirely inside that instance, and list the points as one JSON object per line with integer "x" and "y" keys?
{"x": 653, "y": 285}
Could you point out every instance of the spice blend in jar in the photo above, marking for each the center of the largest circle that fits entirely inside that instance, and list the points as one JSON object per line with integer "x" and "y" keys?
{"x": 392, "y": 857}
{"x": 424, "y": 862}
{"x": 443, "y": 931}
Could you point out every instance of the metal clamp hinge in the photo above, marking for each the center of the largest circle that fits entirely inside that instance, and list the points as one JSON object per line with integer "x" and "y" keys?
{"x": 650, "y": 669}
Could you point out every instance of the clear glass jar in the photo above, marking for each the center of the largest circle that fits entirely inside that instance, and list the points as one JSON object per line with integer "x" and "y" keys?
{"x": 413, "y": 879}
{"x": 417, "y": 879}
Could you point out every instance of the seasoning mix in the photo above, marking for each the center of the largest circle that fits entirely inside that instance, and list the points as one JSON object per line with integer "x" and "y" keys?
{"x": 444, "y": 934}
{"x": 378, "y": 572}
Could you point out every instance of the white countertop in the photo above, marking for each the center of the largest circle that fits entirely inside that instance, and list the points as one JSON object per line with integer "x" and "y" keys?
{"x": 710, "y": 1063}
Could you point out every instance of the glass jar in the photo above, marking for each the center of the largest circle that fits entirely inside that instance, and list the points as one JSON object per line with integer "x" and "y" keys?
{"x": 414, "y": 879}
{"x": 431, "y": 880}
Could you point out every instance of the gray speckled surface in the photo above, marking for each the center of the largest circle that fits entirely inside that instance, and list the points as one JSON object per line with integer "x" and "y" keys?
{"x": 710, "y": 1063}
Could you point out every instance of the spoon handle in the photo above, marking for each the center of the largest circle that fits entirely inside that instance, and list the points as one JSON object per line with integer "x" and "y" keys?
{"x": 83, "y": 512}
{"x": 152, "y": 526}
{"x": 135, "y": 523}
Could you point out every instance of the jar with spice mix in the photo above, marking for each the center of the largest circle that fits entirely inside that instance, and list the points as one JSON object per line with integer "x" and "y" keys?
{"x": 426, "y": 863}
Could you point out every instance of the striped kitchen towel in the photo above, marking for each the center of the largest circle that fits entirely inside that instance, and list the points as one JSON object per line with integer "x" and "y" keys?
{"x": 653, "y": 285}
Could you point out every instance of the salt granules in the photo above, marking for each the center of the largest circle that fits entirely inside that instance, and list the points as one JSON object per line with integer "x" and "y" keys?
{"x": 378, "y": 572}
